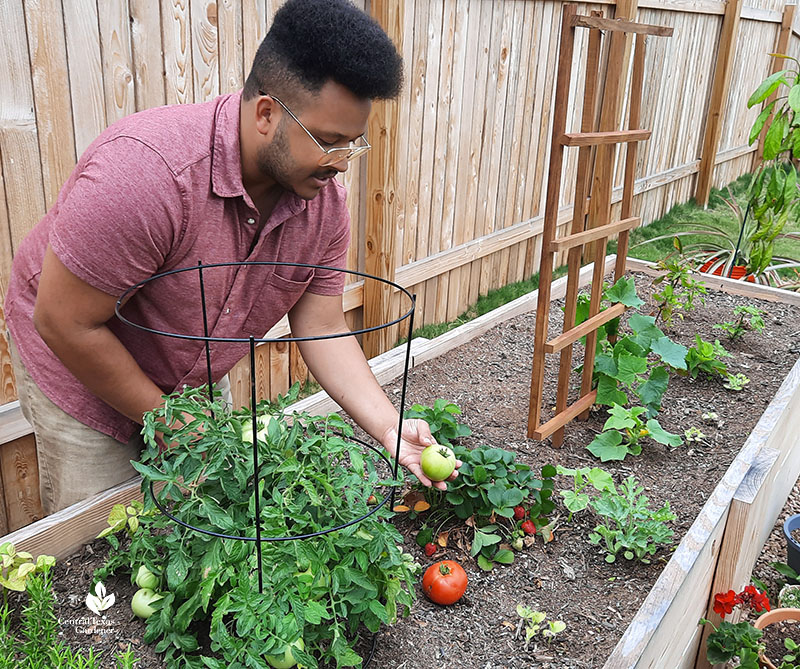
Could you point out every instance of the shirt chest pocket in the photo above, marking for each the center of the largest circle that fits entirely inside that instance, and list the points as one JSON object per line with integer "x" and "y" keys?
{"x": 279, "y": 293}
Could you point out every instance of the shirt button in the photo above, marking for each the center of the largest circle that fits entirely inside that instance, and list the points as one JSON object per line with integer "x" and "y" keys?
{"x": 251, "y": 221}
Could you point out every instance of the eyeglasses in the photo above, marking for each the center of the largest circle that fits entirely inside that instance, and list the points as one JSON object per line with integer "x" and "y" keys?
{"x": 335, "y": 154}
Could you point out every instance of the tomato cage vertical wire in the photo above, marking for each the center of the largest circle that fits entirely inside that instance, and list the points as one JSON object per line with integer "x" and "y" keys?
{"x": 394, "y": 466}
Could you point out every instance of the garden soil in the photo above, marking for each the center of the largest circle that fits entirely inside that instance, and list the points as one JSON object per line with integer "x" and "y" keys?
{"x": 567, "y": 578}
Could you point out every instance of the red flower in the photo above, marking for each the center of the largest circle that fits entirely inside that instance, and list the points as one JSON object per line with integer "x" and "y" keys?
{"x": 725, "y": 601}
{"x": 755, "y": 600}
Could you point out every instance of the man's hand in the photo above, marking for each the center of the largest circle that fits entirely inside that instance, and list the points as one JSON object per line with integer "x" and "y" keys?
{"x": 415, "y": 439}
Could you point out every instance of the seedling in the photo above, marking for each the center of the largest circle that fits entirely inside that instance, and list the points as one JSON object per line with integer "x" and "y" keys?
{"x": 706, "y": 357}
{"x": 680, "y": 289}
{"x": 536, "y": 622}
{"x": 750, "y": 318}
{"x": 693, "y": 435}
{"x": 735, "y": 381}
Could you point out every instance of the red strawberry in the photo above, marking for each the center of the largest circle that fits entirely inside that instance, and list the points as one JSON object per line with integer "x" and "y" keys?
{"x": 519, "y": 512}
{"x": 528, "y": 527}
{"x": 430, "y": 549}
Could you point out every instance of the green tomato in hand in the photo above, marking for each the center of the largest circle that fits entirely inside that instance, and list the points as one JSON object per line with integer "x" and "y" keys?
{"x": 146, "y": 578}
{"x": 285, "y": 661}
{"x": 142, "y": 599}
{"x": 438, "y": 462}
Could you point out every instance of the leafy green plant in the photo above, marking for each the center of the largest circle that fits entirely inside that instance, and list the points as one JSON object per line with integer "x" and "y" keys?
{"x": 490, "y": 484}
{"x": 789, "y": 596}
{"x": 17, "y": 567}
{"x": 750, "y": 318}
{"x": 680, "y": 289}
{"x": 693, "y": 434}
{"x": 637, "y": 365}
{"x": 789, "y": 660}
{"x": 623, "y": 432}
{"x": 735, "y": 381}
{"x": 441, "y": 418}
{"x": 322, "y": 589}
{"x": 536, "y": 622}
{"x": 576, "y": 500}
{"x": 629, "y": 525}
{"x": 706, "y": 357}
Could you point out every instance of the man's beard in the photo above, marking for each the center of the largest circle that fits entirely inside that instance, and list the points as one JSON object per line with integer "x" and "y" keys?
{"x": 275, "y": 162}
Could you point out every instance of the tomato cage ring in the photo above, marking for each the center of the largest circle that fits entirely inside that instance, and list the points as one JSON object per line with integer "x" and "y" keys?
{"x": 200, "y": 268}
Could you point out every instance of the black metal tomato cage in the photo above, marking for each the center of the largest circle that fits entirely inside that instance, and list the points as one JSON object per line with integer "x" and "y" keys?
{"x": 207, "y": 339}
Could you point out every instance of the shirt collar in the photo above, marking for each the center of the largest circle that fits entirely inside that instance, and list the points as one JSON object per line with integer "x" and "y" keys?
{"x": 226, "y": 160}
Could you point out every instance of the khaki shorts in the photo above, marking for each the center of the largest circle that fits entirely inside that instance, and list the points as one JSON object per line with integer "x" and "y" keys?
{"x": 75, "y": 461}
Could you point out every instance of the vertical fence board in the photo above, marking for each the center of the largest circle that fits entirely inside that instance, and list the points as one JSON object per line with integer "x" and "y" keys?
{"x": 230, "y": 47}
{"x": 177, "y": 39}
{"x": 85, "y": 71}
{"x": 148, "y": 62}
{"x": 19, "y": 144}
{"x": 205, "y": 49}
{"x": 116, "y": 53}
{"x": 45, "y": 27}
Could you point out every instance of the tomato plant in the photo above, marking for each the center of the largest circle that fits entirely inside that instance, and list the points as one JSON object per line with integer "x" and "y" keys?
{"x": 444, "y": 582}
{"x": 438, "y": 462}
{"x": 326, "y": 590}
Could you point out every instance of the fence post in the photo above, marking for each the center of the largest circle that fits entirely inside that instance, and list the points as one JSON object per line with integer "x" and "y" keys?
{"x": 782, "y": 46}
{"x": 719, "y": 94}
{"x": 381, "y": 210}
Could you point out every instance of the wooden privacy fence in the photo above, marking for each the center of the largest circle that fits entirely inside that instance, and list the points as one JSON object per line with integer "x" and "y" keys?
{"x": 449, "y": 204}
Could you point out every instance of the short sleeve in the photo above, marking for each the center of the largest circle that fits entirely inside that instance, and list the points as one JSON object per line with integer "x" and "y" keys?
{"x": 121, "y": 218}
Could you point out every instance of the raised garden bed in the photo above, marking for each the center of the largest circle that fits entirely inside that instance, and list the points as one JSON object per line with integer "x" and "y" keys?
{"x": 725, "y": 490}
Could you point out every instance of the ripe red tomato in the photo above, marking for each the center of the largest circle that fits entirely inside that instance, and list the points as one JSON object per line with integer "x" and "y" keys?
{"x": 444, "y": 582}
{"x": 519, "y": 512}
{"x": 528, "y": 527}
{"x": 430, "y": 549}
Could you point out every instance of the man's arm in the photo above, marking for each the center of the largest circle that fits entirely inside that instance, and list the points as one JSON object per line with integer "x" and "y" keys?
{"x": 71, "y": 316}
{"x": 342, "y": 370}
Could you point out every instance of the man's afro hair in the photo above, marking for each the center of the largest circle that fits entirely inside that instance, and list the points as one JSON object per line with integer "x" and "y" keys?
{"x": 321, "y": 40}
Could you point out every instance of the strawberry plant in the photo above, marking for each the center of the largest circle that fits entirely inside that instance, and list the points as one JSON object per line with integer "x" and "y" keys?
{"x": 489, "y": 486}
{"x": 441, "y": 418}
{"x": 322, "y": 589}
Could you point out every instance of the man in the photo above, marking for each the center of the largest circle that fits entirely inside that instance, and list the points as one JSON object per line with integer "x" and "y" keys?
{"x": 248, "y": 176}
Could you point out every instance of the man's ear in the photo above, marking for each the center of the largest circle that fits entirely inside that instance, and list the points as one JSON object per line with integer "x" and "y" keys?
{"x": 267, "y": 115}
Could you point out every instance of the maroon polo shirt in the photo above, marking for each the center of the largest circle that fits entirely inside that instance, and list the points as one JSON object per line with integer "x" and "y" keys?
{"x": 160, "y": 190}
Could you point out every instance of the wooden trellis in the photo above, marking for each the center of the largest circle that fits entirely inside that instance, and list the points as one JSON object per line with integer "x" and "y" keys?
{"x": 591, "y": 219}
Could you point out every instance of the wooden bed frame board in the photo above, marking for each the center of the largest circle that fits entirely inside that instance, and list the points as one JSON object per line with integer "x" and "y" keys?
{"x": 665, "y": 627}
